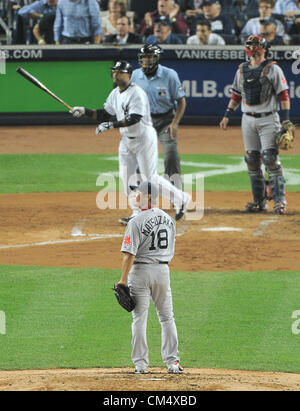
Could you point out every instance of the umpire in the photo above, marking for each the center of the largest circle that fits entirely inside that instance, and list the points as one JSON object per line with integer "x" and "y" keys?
{"x": 167, "y": 105}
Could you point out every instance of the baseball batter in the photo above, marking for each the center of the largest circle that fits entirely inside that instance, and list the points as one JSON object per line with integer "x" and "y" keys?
{"x": 148, "y": 247}
{"x": 138, "y": 147}
{"x": 257, "y": 85}
{"x": 167, "y": 103}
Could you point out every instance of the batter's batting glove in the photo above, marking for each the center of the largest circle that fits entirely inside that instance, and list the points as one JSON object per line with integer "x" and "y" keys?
{"x": 104, "y": 127}
{"x": 77, "y": 112}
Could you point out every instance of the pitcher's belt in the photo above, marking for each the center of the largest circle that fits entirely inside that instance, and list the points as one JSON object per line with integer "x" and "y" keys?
{"x": 159, "y": 262}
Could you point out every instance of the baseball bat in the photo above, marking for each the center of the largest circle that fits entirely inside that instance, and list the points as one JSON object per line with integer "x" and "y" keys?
{"x": 37, "y": 83}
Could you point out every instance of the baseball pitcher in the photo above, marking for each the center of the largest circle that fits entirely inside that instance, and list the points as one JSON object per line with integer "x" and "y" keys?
{"x": 148, "y": 247}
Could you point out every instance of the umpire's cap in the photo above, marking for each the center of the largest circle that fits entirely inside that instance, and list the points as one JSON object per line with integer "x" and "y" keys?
{"x": 146, "y": 187}
{"x": 123, "y": 66}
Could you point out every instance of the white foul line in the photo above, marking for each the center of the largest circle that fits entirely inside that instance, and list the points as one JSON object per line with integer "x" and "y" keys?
{"x": 98, "y": 237}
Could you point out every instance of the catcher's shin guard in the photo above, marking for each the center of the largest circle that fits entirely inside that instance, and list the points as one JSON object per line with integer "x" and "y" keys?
{"x": 253, "y": 161}
{"x": 277, "y": 186}
{"x": 258, "y": 186}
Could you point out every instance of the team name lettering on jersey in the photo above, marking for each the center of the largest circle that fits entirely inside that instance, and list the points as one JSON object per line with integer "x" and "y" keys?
{"x": 154, "y": 221}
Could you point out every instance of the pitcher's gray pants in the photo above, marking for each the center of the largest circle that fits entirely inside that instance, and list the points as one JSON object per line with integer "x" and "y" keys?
{"x": 146, "y": 282}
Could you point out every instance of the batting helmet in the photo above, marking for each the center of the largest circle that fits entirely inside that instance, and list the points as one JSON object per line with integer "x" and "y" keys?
{"x": 256, "y": 44}
{"x": 123, "y": 66}
{"x": 152, "y": 50}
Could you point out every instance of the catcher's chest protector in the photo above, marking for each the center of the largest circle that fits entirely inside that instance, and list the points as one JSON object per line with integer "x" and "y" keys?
{"x": 256, "y": 88}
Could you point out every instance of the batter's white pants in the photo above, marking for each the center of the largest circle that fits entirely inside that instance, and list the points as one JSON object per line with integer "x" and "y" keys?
{"x": 146, "y": 282}
{"x": 142, "y": 153}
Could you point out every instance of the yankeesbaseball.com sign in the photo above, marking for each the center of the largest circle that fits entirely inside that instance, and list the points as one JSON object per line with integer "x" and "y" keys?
{"x": 206, "y": 74}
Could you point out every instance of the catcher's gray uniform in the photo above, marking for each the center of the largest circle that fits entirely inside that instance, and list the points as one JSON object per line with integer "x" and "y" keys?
{"x": 150, "y": 236}
{"x": 259, "y": 88}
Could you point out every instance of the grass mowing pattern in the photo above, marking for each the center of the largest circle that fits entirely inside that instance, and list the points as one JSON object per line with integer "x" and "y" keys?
{"x": 27, "y": 173}
{"x": 60, "y": 317}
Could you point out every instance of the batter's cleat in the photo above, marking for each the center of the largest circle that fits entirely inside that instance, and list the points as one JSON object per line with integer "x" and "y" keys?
{"x": 175, "y": 368}
{"x": 139, "y": 370}
{"x": 125, "y": 220}
{"x": 182, "y": 210}
{"x": 280, "y": 208}
{"x": 257, "y": 207}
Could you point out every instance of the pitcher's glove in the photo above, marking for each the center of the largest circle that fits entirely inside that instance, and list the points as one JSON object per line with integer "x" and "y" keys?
{"x": 104, "y": 127}
{"x": 123, "y": 296}
{"x": 285, "y": 137}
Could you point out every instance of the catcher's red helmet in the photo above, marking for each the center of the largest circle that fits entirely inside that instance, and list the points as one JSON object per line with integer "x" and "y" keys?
{"x": 255, "y": 44}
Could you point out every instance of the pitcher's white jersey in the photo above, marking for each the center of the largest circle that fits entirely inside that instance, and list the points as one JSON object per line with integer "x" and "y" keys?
{"x": 133, "y": 100}
{"x": 150, "y": 236}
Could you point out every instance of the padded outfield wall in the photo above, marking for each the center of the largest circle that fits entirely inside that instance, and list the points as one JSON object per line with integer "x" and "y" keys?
{"x": 80, "y": 75}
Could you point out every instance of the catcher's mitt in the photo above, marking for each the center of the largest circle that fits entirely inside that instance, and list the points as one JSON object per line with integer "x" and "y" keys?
{"x": 285, "y": 137}
{"x": 123, "y": 296}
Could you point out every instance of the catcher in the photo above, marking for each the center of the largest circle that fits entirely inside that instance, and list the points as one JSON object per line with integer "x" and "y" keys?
{"x": 148, "y": 247}
{"x": 257, "y": 86}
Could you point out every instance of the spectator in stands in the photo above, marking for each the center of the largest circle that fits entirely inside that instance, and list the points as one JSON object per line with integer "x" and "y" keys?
{"x": 140, "y": 8}
{"x": 191, "y": 7}
{"x": 116, "y": 9}
{"x": 205, "y": 36}
{"x": 166, "y": 10}
{"x": 163, "y": 34}
{"x": 77, "y": 21}
{"x": 242, "y": 11}
{"x": 221, "y": 23}
{"x": 35, "y": 11}
{"x": 289, "y": 8}
{"x": 124, "y": 34}
{"x": 43, "y": 30}
{"x": 104, "y": 4}
{"x": 266, "y": 9}
{"x": 295, "y": 31}
{"x": 38, "y": 9}
{"x": 268, "y": 31}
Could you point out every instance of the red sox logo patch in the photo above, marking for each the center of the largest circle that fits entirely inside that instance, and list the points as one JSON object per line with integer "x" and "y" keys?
{"x": 127, "y": 240}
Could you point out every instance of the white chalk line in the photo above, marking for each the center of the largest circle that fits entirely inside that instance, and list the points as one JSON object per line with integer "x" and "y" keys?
{"x": 98, "y": 237}
{"x": 77, "y": 231}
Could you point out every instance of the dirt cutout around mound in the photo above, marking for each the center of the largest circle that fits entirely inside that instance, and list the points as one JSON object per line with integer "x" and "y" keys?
{"x": 68, "y": 230}
{"x": 123, "y": 379}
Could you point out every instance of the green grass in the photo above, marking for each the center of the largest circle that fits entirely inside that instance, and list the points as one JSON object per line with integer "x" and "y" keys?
{"x": 60, "y": 317}
{"x": 26, "y": 173}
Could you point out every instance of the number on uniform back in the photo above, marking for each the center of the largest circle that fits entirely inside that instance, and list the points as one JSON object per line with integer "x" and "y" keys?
{"x": 159, "y": 239}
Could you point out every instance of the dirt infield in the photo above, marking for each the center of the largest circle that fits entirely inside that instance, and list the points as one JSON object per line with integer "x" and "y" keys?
{"x": 68, "y": 230}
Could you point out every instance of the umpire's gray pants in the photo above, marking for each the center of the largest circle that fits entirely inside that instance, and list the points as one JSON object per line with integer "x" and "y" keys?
{"x": 169, "y": 148}
{"x": 152, "y": 281}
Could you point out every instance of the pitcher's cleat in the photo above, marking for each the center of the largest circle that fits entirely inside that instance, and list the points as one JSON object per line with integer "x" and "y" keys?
{"x": 175, "y": 368}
